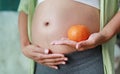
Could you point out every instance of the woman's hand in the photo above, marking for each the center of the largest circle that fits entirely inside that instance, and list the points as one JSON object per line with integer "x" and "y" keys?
{"x": 94, "y": 40}
{"x": 64, "y": 41}
{"x": 37, "y": 54}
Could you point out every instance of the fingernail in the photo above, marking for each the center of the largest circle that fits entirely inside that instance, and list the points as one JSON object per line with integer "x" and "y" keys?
{"x": 63, "y": 63}
{"x": 65, "y": 59}
{"x": 56, "y": 67}
{"x": 46, "y": 51}
{"x": 77, "y": 46}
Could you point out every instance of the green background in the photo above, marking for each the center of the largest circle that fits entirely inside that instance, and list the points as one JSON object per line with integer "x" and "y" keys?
{"x": 12, "y": 61}
{"x": 9, "y": 5}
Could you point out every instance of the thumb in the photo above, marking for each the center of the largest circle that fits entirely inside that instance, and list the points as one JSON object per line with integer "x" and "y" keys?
{"x": 38, "y": 49}
{"x": 82, "y": 44}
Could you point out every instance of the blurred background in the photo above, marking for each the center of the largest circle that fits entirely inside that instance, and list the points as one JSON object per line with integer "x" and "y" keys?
{"x": 12, "y": 61}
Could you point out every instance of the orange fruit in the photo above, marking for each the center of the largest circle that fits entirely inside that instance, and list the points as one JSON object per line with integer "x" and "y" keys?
{"x": 78, "y": 33}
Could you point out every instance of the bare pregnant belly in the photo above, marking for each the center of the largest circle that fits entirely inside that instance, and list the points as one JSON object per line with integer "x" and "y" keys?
{"x": 52, "y": 18}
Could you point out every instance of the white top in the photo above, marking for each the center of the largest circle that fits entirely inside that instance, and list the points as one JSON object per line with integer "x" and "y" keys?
{"x": 93, "y": 3}
{"x": 39, "y": 1}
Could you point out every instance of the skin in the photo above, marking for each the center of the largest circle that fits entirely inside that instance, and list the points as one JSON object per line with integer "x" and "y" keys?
{"x": 53, "y": 35}
{"x": 34, "y": 52}
{"x": 95, "y": 39}
{"x": 57, "y": 16}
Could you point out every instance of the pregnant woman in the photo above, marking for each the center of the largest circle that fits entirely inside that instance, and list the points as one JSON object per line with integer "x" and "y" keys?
{"x": 53, "y": 53}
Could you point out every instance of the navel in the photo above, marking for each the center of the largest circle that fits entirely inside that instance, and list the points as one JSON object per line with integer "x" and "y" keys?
{"x": 46, "y": 23}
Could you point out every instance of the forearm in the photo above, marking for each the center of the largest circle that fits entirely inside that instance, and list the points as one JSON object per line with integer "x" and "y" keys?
{"x": 22, "y": 24}
{"x": 112, "y": 27}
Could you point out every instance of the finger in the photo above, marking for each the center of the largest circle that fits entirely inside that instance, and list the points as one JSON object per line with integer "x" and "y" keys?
{"x": 64, "y": 42}
{"x": 81, "y": 45}
{"x": 63, "y": 38}
{"x": 84, "y": 45}
{"x": 51, "y": 66}
{"x": 52, "y": 56}
{"x": 55, "y": 63}
{"x": 38, "y": 49}
{"x": 38, "y": 56}
{"x": 54, "y": 67}
{"x": 54, "y": 60}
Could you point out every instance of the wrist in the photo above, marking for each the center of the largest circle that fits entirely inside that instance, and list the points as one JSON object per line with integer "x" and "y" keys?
{"x": 25, "y": 44}
{"x": 106, "y": 35}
